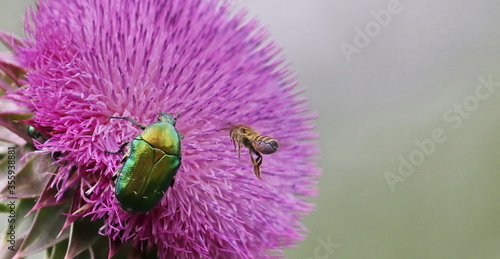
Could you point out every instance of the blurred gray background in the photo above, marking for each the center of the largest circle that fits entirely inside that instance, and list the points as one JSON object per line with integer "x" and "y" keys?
{"x": 409, "y": 104}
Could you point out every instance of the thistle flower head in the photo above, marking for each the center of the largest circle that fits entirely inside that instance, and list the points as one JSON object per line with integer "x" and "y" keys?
{"x": 89, "y": 60}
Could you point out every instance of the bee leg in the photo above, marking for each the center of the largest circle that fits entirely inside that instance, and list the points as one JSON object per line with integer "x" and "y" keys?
{"x": 234, "y": 144}
{"x": 257, "y": 162}
{"x": 256, "y": 171}
{"x": 233, "y": 140}
{"x": 239, "y": 150}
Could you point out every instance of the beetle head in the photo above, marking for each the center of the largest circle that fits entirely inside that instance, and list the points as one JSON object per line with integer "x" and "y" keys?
{"x": 165, "y": 116}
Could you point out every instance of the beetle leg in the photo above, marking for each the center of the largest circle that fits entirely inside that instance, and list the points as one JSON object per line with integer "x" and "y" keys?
{"x": 178, "y": 115}
{"x": 131, "y": 120}
{"x": 125, "y": 157}
{"x": 180, "y": 134}
{"x": 115, "y": 176}
{"x": 172, "y": 182}
{"x": 120, "y": 149}
{"x": 257, "y": 162}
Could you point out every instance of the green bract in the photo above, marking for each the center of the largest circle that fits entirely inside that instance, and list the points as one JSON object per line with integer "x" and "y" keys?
{"x": 150, "y": 165}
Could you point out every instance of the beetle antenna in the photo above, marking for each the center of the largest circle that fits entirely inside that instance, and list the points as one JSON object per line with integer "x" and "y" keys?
{"x": 178, "y": 115}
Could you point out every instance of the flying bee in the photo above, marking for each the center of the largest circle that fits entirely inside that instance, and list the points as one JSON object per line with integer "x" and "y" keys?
{"x": 256, "y": 144}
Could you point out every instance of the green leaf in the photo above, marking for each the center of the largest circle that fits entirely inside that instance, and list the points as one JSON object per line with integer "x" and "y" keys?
{"x": 50, "y": 197}
{"x": 149, "y": 255}
{"x": 126, "y": 250}
{"x": 20, "y": 226}
{"x": 84, "y": 233}
{"x": 20, "y": 222}
{"x": 84, "y": 255}
{"x": 58, "y": 250}
{"x": 10, "y": 72}
{"x": 12, "y": 158}
{"x": 9, "y": 120}
{"x": 45, "y": 231}
{"x": 4, "y": 208}
{"x": 17, "y": 115}
{"x": 100, "y": 248}
{"x": 31, "y": 177}
{"x": 23, "y": 220}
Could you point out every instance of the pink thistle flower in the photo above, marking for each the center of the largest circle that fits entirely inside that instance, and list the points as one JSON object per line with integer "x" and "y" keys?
{"x": 89, "y": 60}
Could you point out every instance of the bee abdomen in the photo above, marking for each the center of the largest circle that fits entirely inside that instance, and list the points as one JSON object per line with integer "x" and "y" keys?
{"x": 265, "y": 145}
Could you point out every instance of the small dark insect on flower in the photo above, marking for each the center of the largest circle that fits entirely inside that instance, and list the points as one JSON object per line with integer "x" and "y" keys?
{"x": 256, "y": 144}
{"x": 33, "y": 132}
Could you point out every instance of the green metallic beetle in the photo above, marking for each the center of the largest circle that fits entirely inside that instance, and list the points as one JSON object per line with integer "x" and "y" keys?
{"x": 150, "y": 164}
{"x": 33, "y": 132}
